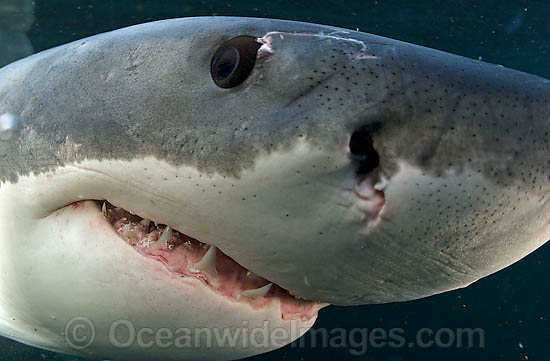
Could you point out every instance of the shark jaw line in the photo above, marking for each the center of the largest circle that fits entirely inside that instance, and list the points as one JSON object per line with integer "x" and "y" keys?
{"x": 184, "y": 256}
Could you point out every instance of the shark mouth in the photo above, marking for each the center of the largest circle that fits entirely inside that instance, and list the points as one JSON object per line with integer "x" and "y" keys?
{"x": 184, "y": 256}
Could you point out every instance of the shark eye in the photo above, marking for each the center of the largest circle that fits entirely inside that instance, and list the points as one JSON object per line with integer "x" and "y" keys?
{"x": 233, "y": 61}
{"x": 362, "y": 151}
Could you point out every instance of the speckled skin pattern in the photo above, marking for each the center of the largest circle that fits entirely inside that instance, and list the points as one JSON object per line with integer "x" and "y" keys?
{"x": 147, "y": 91}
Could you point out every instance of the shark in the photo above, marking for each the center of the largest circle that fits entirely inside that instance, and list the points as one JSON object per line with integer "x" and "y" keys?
{"x": 199, "y": 188}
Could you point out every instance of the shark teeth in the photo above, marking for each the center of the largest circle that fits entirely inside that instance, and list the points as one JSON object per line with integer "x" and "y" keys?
{"x": 166, "y": 237}
{"x": 258, "y": 292}
{"x": 251, "y": 275}
{"x": 145, "y": 223}
{"x": 126, "y": 231}
{"x": 193, "y": 259}
{"x": 208, "y": 262}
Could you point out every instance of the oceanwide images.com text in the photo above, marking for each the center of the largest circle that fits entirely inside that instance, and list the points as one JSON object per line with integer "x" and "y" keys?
{"x": 81, "y": 333}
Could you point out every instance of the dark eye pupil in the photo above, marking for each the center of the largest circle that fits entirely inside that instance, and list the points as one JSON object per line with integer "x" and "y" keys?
{"x": 234, "y": 61}
{"x": 225, "y": 63}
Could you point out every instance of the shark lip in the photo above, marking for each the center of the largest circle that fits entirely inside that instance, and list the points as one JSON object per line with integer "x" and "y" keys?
{"x": 184, "y": 257}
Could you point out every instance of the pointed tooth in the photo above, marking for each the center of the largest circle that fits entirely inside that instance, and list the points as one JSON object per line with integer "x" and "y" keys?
{"x": 258, "y": 292}
{"x": 145, "y": 223}
{"x": 126, "y": 231}
{"x": 253, "y": 276}
{"x": 208, "y": 262}
{"x": 166, "y": 236}
{"x": 104, "y": 209}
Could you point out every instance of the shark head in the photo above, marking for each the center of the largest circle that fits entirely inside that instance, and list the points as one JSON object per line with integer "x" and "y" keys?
{"x": 228, "y": 172}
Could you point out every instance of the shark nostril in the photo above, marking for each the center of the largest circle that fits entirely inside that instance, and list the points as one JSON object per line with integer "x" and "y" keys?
{"x": 233, "y": 61}
{"x": 362, "y": 151}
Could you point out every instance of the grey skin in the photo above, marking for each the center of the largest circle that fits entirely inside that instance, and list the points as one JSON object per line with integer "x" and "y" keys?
{"x": 147, "y": 91}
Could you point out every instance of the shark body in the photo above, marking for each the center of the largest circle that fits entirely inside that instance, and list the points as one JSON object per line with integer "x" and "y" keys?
{"x": 213, "y": 171}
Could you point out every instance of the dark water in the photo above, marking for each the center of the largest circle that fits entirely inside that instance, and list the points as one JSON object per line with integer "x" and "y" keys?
{"x": 512, "y": 307}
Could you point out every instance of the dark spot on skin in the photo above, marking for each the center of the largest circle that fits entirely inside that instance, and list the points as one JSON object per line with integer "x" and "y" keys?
{"x": 362, "y": 151}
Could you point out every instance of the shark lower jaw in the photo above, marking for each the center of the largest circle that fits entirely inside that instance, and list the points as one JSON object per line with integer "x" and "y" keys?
{"x": 186, "y": 257}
